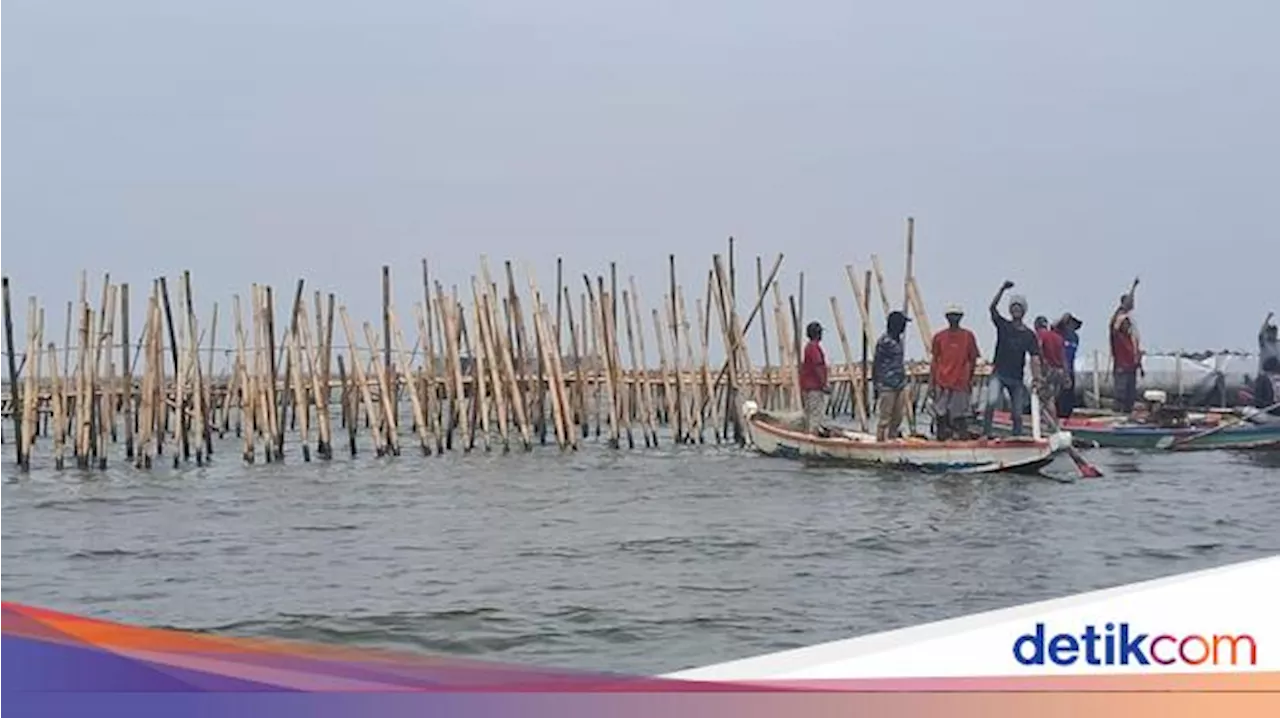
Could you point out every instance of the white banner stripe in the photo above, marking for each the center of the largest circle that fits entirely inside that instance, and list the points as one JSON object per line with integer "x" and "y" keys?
{"x": 1231, "y": 600}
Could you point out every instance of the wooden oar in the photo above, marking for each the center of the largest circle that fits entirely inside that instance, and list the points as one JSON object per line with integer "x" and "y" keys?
{"x": 1173, "y": 442}
{"x": 1087, "y": 470}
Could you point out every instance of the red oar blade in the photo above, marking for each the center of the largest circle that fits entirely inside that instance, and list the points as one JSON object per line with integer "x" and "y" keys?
{"x": 1087, "y": 470}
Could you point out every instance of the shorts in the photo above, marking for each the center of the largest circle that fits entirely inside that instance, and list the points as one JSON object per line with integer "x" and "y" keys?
{"x": 1052, "y": 383}
{"x": 815, "y": 409}
{"x": 891, "y": 409}
{"x": 951, "y": 404}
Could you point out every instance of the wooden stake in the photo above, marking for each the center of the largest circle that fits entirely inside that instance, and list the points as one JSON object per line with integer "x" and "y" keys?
{"x": 362, "y": 383}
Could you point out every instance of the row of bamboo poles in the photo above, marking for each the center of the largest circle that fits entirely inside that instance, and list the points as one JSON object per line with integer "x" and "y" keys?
{"x": 491, "y": 372}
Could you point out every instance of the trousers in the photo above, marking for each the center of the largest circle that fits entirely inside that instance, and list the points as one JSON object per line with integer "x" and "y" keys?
{"x": 997, "y": 386}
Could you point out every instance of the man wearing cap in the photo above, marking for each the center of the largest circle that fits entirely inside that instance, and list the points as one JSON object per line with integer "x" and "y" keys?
{"x": 953, "y": 359}
{"x": 1053, "y": 358}
{"x": 889, "y": 376}
{"x": 1068, "y": 328}
{"x": 813, "y": 379}
{"x": 1014, "y": 343}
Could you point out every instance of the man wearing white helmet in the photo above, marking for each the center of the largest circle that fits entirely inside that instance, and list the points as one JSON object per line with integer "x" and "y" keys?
{"x": 953, "y": 359}
{"x": 1014, "y": 343}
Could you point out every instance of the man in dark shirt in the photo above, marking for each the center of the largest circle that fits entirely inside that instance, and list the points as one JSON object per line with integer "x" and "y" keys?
{"x": 1068, "y": 327}
{"x": 889, "y": 374}
{"x": 1264, "y": 387}
{"x": 1014, "y": 343}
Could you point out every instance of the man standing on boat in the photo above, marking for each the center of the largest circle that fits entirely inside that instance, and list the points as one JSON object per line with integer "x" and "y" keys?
{"x": 1126, "y": 353}
{"x": 1014, "y": 343}
{"x": 1053, "y": 357}
{"x": 1068, "y": 328}
{"x": 1268, "y": 346}
{"x": 889, "y": 375}
{"x": 953, "y": 359}
{"x": 1267, "y": 386}
{"x": 813, "y": 379}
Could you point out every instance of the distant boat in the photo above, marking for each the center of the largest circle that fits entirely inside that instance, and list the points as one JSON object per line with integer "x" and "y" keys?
{"x": 1121, "y": 433}
{"x": 781, "y": 436}
{"x": 1218, "y": 379}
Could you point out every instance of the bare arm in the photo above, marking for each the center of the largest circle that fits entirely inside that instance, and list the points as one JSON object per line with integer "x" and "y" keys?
{"x": 995, "y": 301}
{"x": 1265, "y": 323}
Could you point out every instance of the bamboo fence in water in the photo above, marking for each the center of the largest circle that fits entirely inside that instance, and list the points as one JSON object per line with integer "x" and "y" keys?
{"x": 494, "y": 365}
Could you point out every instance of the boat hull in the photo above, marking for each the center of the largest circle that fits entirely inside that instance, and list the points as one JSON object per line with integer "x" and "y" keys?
{"x": 773, "y": 438}
{"x": 1101, "y": 433}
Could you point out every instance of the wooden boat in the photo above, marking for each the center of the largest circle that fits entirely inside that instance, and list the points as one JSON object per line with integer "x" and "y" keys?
{"x": 1120, "y": 433}
{"x": 1258, "y": 416}
{"x": 780, "y": 436}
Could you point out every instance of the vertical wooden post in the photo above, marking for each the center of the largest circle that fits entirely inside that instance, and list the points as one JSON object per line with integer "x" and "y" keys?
{"x": 911, "y": 257}
{"x": 677, "y": 420}
{"x": 866, "y": 335}
{"x": 127, "y": 367}
{"x": 15, "y": 392}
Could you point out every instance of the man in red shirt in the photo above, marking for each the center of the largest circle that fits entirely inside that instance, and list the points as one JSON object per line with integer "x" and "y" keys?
{"x": 813, "y": 379}
{"x": 1053, "y": 357}
{"x": 954, "y": 357}
{"x": 1126, "y": 353}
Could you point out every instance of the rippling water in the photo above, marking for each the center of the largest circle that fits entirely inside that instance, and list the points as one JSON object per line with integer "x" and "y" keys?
{"x": 642, "y": 561}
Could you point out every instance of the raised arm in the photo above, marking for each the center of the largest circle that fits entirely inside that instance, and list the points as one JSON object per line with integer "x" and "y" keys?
{"x": 1266, "y": 323}
{"x": 995, "y": 301}
{"x": 1133, "y": 287}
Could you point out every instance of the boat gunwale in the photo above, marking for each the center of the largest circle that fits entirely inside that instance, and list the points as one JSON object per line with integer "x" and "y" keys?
{"x": 1004, "y": 419}
{"x": 998, "y": 444}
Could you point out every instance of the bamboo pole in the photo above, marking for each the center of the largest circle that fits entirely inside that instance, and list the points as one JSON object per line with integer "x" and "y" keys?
{"x": 522, "y": 346}
{"x": 58, "y": 401}
{"x": 602, "y": 353}
{"x": 431, "y": 403}
{"x": 922, "y": 317}
{"x": 127, "y": 369}
{"x": 385, "y": 395}
{"x": 193, "y": 364}
{"x": 910, "y": 271}
{"x": 479, "y": 388}
{"x": 301, "y": 407}
{"x": 13, "y": 362}
{"x": 705, "y": 376}
{"x": 615, "y": 367}
{"x": 319, "y": 387}
{"x": 247, "y": 401}
{"x": 773, "y": 273}
{"x": 402, "y": 357}
{"x": 856, "y": 384}
{"x": 26, "y": 408}
{"x": 579, "y": 385}
{"x": 650, "y": 436}
{"x": 631, "y": 305}
{"x": 362, "y": 384}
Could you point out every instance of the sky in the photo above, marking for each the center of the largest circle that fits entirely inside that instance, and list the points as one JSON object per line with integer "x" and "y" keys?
{"x": 1065, "y": 146}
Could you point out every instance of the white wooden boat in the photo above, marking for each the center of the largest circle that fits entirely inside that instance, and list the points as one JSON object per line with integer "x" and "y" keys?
{"x": 1258, "y": 416}
{"x": 783, "y": 437}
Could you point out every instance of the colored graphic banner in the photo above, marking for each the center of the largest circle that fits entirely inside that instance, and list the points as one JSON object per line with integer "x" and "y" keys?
{"x": 61, "y": 664}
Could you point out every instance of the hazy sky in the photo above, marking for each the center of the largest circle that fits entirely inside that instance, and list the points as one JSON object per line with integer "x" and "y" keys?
{"x": 1067, "y": 146}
